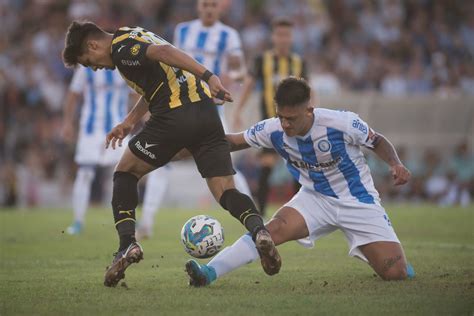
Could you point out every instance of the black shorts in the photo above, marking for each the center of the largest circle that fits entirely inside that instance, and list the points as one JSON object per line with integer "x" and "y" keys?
{"x": 196, "y": 127}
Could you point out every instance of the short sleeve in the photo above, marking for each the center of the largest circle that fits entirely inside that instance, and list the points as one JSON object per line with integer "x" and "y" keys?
{"x": 359, "y": 131}
{"x": 259, "y": 135}
{"x": 235, "y": 46}
{"x": 78, "y": 81}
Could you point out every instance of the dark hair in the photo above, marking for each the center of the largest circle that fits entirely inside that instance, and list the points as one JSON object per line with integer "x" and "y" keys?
{"x": 292, "y": 91}
{"x": 281, "y": 21}
{"x": 76, "y": 36}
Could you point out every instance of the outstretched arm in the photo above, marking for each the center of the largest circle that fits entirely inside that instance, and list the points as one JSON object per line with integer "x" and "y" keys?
{"x": 386, "y": 151}
{"x": 72, "y": 99}
{"x": 175, "y": 57}
{"x": 237, "y": 141}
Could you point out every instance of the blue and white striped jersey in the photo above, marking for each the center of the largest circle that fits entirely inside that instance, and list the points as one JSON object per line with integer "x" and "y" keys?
{"x": 105, "y": 99}
{"x": 208, "y": 45}
{"x": 328, "y": 159}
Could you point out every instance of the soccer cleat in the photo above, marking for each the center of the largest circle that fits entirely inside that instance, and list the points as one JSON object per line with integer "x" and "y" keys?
{"x": 74, "y": 229}
{"x": 410, "y": 271}
{"x": 199, "y": 275}
{"x": 116, "y": 271}
{"x": 269, "y": 256}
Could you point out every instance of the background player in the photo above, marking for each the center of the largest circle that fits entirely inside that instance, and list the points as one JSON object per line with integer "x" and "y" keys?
{"x": 105, "y": 99}
{"x": 183, "y": 115}
{"x": 217, "y": 46}
{"x": 321, "y": 149}
{"x": 269, "y": 69}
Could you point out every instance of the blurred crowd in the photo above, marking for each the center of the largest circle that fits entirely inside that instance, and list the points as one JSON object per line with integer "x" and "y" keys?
{"x": 393, "y": 47}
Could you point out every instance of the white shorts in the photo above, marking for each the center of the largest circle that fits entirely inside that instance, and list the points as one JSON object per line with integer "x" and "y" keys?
{"x": 90, "y": 150}
{"x": 361, "y": 223}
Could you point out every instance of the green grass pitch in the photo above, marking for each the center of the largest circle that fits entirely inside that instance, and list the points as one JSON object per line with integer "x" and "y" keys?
{"x": 46, "y": 272}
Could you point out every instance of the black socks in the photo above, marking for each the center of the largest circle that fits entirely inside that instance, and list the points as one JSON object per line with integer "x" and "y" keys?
{"x": 124, "y": 202}
{"x": 242, "y": 207}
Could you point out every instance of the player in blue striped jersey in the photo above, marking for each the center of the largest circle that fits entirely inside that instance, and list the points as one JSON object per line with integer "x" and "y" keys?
{"x": 105, "y": 99}
{"x": 322, "y": 151}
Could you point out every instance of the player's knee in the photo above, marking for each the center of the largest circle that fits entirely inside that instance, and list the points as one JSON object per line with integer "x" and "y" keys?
{"x": 395, "y": 273}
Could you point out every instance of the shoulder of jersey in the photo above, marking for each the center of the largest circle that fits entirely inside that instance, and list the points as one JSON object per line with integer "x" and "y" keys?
{"x": 228, "y": 28}
{"x": 184, "y": 24}
{"x": 272, "y": 124}
{"x": 296, "y": 55}
{"x": 331, "y": 118}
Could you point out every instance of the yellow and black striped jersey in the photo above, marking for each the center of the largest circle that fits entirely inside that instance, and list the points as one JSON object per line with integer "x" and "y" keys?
{"x": 163, "y": 87}
{"x": 269, "y": 69}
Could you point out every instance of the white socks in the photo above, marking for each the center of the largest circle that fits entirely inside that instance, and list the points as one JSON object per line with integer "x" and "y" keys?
{"x": 81, "y": 192}
{"x": 242, "y": 252}
{"x": 156, "y": 185}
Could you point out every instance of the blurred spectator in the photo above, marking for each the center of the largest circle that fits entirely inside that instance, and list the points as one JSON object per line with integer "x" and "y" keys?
{"x": 394, "y": 47}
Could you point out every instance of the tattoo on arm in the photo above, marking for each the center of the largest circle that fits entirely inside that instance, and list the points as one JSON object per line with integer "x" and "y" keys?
{"x": 390, "y": 262}
{"x": 385, "y": 150}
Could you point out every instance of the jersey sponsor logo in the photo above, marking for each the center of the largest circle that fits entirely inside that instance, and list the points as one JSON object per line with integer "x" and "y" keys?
{"x": 128, "y": 62}
{"x": 135, "y": 49}
{"x": 144, "y": 150}
{"x": 321, "y": 166}
{"x": 324, "y": 146}
{"x": 149, "y": 145}
{"x": 257, "y": 128}
{"x": 120, "y": 48}
{"x": 358, "y": 125}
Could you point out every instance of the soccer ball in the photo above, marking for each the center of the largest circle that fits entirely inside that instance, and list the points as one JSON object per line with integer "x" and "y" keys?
{"x": 202, "y": 236}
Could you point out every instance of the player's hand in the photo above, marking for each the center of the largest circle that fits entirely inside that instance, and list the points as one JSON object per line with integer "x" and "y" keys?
{"x": 400, "y": 174}
{"x": 218, "y": 91}
{"x": 67, "y": 132}
{"x": 117, "y": 134}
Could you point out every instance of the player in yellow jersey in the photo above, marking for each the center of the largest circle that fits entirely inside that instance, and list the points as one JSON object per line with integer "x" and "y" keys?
{"x": 183, "y": 115}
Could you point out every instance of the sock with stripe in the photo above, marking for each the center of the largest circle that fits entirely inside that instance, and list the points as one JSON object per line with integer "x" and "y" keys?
{"x": 124, "y": 203}
{"x": 242, "y": 207}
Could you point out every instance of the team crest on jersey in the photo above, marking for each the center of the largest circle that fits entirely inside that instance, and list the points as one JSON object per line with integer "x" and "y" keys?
{"x": 135, "y": 49}
{"x": 324, "y": 146}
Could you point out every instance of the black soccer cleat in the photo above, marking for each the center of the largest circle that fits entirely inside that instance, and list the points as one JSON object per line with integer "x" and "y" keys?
{"x": 116, "y": 271}
{"x": 269, "y": 256}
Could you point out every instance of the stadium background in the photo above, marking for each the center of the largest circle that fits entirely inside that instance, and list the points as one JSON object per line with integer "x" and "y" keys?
{"x": 405, "y": 66}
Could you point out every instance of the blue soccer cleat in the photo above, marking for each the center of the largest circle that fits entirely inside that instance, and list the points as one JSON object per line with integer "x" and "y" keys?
{"x": 75, "y": 228}
{"x": 200, "y": 275}
{"x": 410, "y": 271}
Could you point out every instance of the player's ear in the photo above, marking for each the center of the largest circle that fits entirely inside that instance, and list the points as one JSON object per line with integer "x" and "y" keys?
{"x": 92, "y": 44}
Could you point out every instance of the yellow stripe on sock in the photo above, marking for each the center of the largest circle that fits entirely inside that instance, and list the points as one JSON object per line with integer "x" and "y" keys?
{"x": 123, "y": 220}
